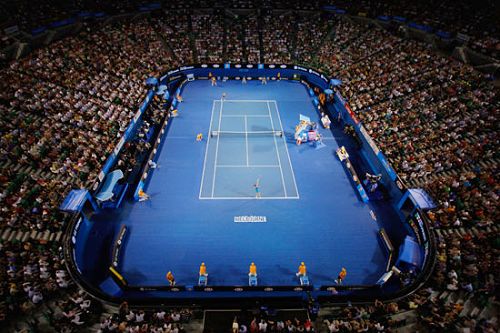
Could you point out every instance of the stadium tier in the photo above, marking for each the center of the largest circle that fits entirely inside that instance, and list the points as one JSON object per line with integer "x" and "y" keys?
{"x": 235, "y": 166}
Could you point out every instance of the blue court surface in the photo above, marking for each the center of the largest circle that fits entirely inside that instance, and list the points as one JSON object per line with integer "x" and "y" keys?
{"x": 246, "y": 145}
{"x": 204, "y": 205}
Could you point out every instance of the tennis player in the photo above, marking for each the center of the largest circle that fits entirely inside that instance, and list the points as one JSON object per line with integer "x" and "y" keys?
{"x": 199, "y": 137}
{"x": 257, "y": 188}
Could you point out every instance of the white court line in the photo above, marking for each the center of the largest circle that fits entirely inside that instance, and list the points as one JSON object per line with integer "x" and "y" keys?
{"x": 217, "y": 148}
{"x": 277, "y": 152}
{"x": 247, "y": 100}
{"x": 248, "y": 115}
{"x": 206, "y": 149}
{"x": 286, "y": 148}
{"x": 286, "y": 197}
{"x": 248, "y": 198}
{"x": 181, "y": 137}
{"x": 246, "y": 140}
{"x": 247, "y": 166}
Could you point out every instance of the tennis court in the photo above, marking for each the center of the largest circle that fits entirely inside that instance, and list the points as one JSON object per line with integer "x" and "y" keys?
{"x": 203, "y": 207}
{"x": 246, "y": 146}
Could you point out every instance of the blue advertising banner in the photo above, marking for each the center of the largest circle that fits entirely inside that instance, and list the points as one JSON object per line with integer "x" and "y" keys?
{"x": 362, "y": 193}
{"x": 390, "y": 171}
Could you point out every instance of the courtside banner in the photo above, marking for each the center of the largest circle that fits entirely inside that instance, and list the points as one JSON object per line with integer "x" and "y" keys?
{"x": 387, "y": 166}
{"x": 169, "y": 75}
{"x": 368, "y": 139}
{"x": 340, "y": 98}
{"x": 351, "y": 113}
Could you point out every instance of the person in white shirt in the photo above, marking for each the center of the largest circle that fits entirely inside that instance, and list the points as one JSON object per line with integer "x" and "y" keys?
{"x": 76, "y": 319}
{"x": 44, "y": 273}
{"x": 85, "y": 304}
{"x": 139, "y": 318}
{"x": 333, "y": 326}
{"x": 130, "y": 316}
{"x": 60, "y": 274}
{"x": 62, "y": 283}
{"x": 379, "y": 327}
{"x": 262, "y": 326}
{"x": 176, "y": 317}
{"x": 160, "y": 315}
{"x": 236, "y": 326}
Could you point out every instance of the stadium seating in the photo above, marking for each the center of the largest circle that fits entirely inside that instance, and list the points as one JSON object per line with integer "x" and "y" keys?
{"x": 64, "y": 106}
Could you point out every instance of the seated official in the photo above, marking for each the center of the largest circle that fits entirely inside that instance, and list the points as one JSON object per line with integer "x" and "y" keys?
{"x": 253, "y": 270}
{"x": 203, "y": 269}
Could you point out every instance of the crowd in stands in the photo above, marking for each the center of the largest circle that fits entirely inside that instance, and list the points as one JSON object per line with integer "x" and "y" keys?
{"x": 64, "y": 107}
{"x": 373, "y": 318}
{"x": 29, "y": 273}
{"x": 468, "y": 263}
{"x": 434, "y": 118}
{"x": 467, "y": 266}
{"x": 175, "y": 33}
{"x": 252, "y": 42}
{"x": 140, "y": 321}
{"x": 209, "y": 32}
{"x": 63, "y": 110}
{"x": 270, "y": 324}
{"x": 234, "y": 41}
{"x": 73, "y": 311}
{"x": 311, "y": 32}
{"x": 277, "y": 37}
{"x": 476, "y": 19}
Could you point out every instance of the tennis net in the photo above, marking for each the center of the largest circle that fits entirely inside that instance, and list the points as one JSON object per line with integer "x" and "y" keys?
{"x": 246, "y": 133}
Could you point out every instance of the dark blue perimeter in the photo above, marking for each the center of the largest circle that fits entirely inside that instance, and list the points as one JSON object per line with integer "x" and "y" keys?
{"x": 328, "y": 227}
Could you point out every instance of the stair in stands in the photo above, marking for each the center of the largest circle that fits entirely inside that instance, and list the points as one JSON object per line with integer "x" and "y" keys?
{"x": 413, "y": 327}
{"x": 409, "y": 316}
{"x": 5, "y": 233}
